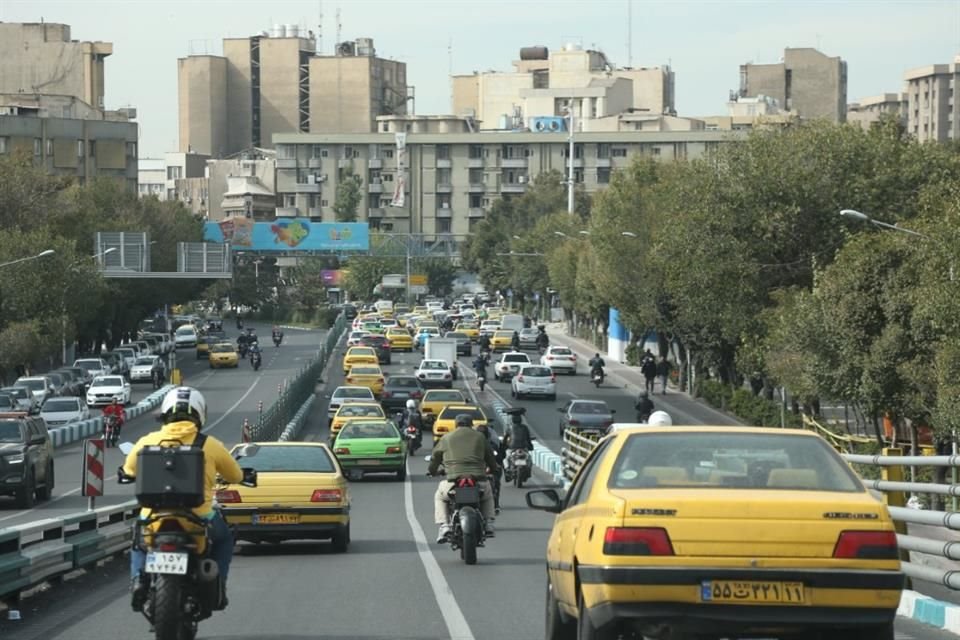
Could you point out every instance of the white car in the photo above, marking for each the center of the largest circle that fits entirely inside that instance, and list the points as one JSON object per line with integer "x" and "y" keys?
{"x": 488, "y": 327}
{"x": 39, "y": 386}
{"x": 560, "y": 359}
{"x": 104, "y": 389}
{"x": 57, "y": 412}
{"x": 355, "y": 336}
{"x": 434, "y": 373}
{"x": 509, "y": 364}
{"x": 186, "y": 336}
{"x": 130, "y": 355}
{"x": 143, "y": 368}
{"x": 534, "y": 380}
{"x": 346, "y": 393}
{"x": 93, "y": 366}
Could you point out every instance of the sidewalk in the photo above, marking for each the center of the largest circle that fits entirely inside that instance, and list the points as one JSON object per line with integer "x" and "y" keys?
{"x": 682, "y": 408}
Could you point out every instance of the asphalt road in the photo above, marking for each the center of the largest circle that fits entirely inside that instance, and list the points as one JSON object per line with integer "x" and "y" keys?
{"x": 231, "y": 394}
{"x": 394, "y": 583}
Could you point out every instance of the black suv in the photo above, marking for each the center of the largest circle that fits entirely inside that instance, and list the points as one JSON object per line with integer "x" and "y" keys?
{"x": 380, "y": 344}
{"x": 26, "y": 459}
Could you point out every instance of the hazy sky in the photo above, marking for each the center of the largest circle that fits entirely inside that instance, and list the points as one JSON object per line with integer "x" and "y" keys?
{"x": 705, "y": 42}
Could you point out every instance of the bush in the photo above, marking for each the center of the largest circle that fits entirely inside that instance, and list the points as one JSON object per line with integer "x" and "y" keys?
{"x": 753, "y": 410}
{"x": 632, "y": 353}
{"x": 715, "y": 393}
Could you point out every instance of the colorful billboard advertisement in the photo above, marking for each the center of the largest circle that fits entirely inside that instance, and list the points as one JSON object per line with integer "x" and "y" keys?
{"x": 292, "y": 234}
{"x": 332, "y": 277}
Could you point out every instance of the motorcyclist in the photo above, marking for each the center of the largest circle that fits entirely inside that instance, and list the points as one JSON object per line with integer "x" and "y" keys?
{"x": 494, "y": 474}
{"x": 515, "y": 341}
{"x": 255, "y": 354}
{"x": 411, "y": 416}
{"x": 480, "y": 365}
{"x": 116, "y": 409}
{"x": 644, "y": 406}
{"x": 184, "y": 413}
{"x": 463, "y": 452}
{"x": 157, "y": 376}
{"x": 660, "y": 419}
{"x": 596, "y": 365}
{"x": 543, "y": 341}
{"x": 517, "y": 435}
{"x": 484, "y": 343}
{"x": 277, "y": 334}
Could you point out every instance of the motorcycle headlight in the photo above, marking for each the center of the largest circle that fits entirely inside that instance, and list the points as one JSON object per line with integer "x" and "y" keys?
{"x": 15, "y": 458}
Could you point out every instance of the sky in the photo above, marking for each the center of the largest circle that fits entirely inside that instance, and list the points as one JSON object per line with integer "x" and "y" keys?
{"x": 705, "y": 42}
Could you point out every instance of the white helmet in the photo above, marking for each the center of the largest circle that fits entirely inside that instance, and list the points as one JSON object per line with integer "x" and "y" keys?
{"x": 184, "y": 403}
{"x": 660, "y": 419}
{"x": 411, "y": 404}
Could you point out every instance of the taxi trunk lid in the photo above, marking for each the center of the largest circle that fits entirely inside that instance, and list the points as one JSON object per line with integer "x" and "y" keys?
{"x": 283, "y": 488}
{"x": 753, "y": 523}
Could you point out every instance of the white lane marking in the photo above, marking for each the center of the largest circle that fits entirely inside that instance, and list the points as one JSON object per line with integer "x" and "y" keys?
{"x": 114, "y": 477}
{"x": 453, "y": 617}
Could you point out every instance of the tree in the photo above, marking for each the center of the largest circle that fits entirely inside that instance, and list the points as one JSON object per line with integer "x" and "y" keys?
{"x": 440, "y": 273}
{"x": 348, "y": 197}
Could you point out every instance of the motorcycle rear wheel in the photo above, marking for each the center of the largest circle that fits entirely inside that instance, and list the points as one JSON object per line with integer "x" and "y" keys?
{"x": 470, "y": 530}
{"x": 169, "y": 621}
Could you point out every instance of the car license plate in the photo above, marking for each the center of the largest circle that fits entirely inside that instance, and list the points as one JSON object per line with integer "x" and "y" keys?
{"x": 276, "y": 518}
{"x": 163, "y": 562}
{"x": 370, "y": 462}
{"x": 726, "y": 591}
{"x": 521, "y": 462}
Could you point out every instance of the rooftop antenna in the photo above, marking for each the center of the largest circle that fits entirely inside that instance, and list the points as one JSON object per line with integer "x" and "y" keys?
{"x": 339, "y": 26}
{"x": 450, "y": 67}
{"x": 320, "y": 28}
{"x": 630, "y": 33}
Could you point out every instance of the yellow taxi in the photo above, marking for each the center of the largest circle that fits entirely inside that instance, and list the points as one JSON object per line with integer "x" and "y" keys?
{"x": 501, "y": 340}
{"x": 351, "y": 410}
{"x": 359, "y": 355}
{"x": 224, "y": 354}
{"x": 401, "y": 308}
{"x": 366, "y": 375}
{"x": 435, "y": 400}
{"x": 719, "y": 531}
{"x": 472, "y": 329}
{"x": 300, "y": 495}
{"x": 399, "y": 339}
{"x": 203, "y": 346}
{"x": 446, "y": 419}
{"x": 420, "y": 311}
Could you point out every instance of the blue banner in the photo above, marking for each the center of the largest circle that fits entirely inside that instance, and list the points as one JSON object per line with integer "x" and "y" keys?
{"x": 291, "y": 234}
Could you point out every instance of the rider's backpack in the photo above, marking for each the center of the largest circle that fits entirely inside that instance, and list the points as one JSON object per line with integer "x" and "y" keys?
{"x": 170, "y": 475}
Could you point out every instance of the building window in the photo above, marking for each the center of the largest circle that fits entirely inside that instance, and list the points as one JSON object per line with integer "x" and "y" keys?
{"x": 476, "y": 176}
{"x": 443, "y": 225}
{"x": 388, "y": 153}
{"x": 323, "y": 153}
{"x": 289, "y": 200}
{"x": 603, "y": 150}
{"x": 173, "y": 173}
{"x": 347, "y": 153}
{"x": 374, "y": 223}
{"x": 286, "y": 151}
{"x": 603, "y": 175}
{"x": 37, "y": 146}
{"x": 443, "y": 152}
{"x": 486, "y": 202}
{"x": 577, "y": 151}
{"x": 92, "y": 149}
{"x": 618, "y": 152}
{"x": 476, "y": 201}
{"x": 443, "y": 176}
{"x": 131, "y": 149}
{"x": 656, "y": 151}
{"x": 443, "y": 201}
{"x": 49, "y": 147}
{"x": 374, "y": 176}
{"x": 387, "y": 177}
{"x": 324, "y": 203}
{"x": 171, "y": 194}
{"x": 476, "y": 152}
{"x": 578, "y": 175}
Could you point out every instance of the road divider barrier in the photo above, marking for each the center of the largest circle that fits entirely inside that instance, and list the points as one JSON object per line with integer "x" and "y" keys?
{"x": 543, "y": 458}
{"x": 68, "y": 434}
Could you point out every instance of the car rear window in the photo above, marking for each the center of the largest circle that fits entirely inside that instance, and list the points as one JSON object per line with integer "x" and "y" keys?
{"x": 536, "y": 372}
{"x": 450, "y": 413}
{"x": 33, "y": 385}
{"x": 730, "y": 461}
{"x": 369, "y": 430}
{"x": 403, "y": 383}
{"x": 440, "y": 396}
{"x": 290, "y": 459}
{"x": 61, "y": 405}
{"x": 361, "y": 351}
{"x": 222, "y": 348}
{"x": 353, "y": 411}
{"x": 516, "y": 357}
{"x": 144, "y": 361}
{"x": 589, "y": 407}
{"x": 364, "y": 371}
{"x": 7, "y": 401}
{"x": 560, "y": 352}
{"x": 353, "y": 392}
{"x": 10, "y": 432}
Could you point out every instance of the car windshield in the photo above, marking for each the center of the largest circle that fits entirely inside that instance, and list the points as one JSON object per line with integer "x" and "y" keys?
{"x": 440, "y": 396}
{"x": 369, "y": 430}
{"x": 222, "y": 348}
{"x": 33, "y": 385}
{"x": 438, "y": 365}
{"x": 357, "y": 410}
{"x": 183, "y": 331}
{"x": 403, "y": 382}
{"x": 58, "y": 404}
{"x": 730, "y": 460}
{"x": 560, "y": 352}
{"x": 353, "y": 392}
{"x": 127, "y": 353}
{"x": 516, "y": 357}
{"x": 145, "y": 361}
{"x": 286, "y": 458}
{"x": 107, "y": 382}
{"x": 503, "y": 334}
{"x": 450, "y": 413}
{"x": 10, "y": 432}
{"x": 593, "y": 408}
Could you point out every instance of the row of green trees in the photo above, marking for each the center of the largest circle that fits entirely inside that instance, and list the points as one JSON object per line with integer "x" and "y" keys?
{"x": 63, "y": 292}
{"x": 742, "y": 259}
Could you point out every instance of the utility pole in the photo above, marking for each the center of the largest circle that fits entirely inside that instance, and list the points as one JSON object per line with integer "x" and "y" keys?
{"x": 570, "y": 158}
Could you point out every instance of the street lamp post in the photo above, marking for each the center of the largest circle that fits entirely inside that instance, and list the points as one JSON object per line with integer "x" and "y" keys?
{"x": 42, "y": 254}
{"x": 570, "y": 159}
{"x": 853, "y": 214}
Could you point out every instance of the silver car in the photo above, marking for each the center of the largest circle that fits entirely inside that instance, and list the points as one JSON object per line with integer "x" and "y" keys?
{"x": 586, "y": 415}
{"x": 24, "y": 398}
{"x": 57, "y": 412}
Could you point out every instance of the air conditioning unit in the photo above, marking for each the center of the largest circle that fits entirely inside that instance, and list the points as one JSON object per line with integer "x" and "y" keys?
{"x": 548, "y": 124}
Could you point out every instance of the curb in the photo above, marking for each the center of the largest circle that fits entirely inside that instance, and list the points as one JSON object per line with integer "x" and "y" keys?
{"x": 934, "y": 613}
{"x": 71, "y": 433}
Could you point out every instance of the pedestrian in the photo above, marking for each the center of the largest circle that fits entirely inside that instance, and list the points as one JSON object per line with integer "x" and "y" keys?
{"x": 649, "y": 371}
{"x": 663, "y": 370}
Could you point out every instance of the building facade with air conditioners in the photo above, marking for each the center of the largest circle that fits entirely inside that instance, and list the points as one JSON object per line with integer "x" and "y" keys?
{"x": 933, "y": 102}
{"x": 444, "y": 183}
{"x": 277, "y": 82}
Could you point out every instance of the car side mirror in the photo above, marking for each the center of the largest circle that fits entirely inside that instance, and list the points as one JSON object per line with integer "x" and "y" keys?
{"x": 545, "y": 500}
{"x": 612, "y": 411}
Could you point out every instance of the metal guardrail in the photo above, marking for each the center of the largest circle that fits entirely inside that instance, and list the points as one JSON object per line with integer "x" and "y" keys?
{"x": 577, "y": 445}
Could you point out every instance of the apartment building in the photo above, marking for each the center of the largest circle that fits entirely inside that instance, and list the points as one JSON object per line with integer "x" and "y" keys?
{"x": 152, "y": 178}
{"x": 547, "y": 83}
{"x": 933, "y": 108}
{"x": 275, "y": 82}
{"x": 445, "y": 182}
{"x": 806, "y": 81}
{"x": 868, "y": 111}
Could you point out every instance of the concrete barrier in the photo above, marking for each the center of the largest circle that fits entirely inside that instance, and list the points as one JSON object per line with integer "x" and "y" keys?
{"x": 543, "y": 458}
{"x": 293, "y": 428}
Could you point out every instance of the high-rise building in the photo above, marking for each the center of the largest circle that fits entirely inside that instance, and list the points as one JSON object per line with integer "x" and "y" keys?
{"x": 40, "y": 58}
{"x": 806, "y": 82}
{"x": 933, "y": 108}
{"x": 276, "y": 83}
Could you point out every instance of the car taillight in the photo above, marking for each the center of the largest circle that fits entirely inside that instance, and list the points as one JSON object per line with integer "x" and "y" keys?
{"x": 380, "y": 380}
{"x": 386, "y": 394}
{"x": 519, "y": 378}
{"x": 226, "y": 496}
{"x": 573, "y": 422}
{"x": 553, "y": 378}
{"x": 393, "y": 449}
{"x": 549, "y": 357}
{"x": 637, "y": 541}
{"x": 416, "y": 394}
{"x": 349, "y": 378}
{"x": 386, "y": 345}
{"x": 342, "y": 451}
{"x": 874, "y": 545}
{"x": 167, "y": 546}
{"x": 326, "y": 495}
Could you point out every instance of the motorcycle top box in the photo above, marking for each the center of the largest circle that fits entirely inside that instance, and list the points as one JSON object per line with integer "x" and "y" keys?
{"x": 171, "y": 476}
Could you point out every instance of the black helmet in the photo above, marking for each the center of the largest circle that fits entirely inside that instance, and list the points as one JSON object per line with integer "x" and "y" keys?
{"x": 464, "y": 420}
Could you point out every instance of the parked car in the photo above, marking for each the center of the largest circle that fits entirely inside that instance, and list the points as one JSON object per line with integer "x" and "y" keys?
{"x": 144, "y": 367}
{"x": 57, "y": 412}
{"x": 26, "y": 460}
{"x": 39, "y": 386}
{"x": 104, "y": 389}
{"x": 94, "y": 366}
{"x": 24, "y": 398}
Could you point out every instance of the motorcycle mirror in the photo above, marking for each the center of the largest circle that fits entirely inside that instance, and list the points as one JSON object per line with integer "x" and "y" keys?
{"x": 125, "y": 448}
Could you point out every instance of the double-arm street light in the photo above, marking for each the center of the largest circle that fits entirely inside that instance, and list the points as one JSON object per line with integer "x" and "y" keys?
{"x": 853, "y": 214}
{"x": 42, "y": 254}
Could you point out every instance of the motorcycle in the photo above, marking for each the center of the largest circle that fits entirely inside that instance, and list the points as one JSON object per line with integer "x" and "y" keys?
{"x": 413, "y": 437}
{"x": 466, "y": 524}
{"x": 481, "y": 380}
{"x": 255, "y": 360}
{"x": 596, "y": 377}
{"x": 242, "y": 349}
{"x": 111, "y": 430}
{"x": 517, "y": 470}
{"x": 183, "y": 581}
{"x": 277, "y": 339}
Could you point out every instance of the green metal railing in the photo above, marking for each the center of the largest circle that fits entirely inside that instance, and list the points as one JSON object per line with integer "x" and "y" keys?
{"x": 291, "y": 395}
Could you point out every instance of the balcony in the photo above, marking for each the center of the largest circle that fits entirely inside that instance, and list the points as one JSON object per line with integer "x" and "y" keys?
{"x": 344, "y": 163}
{"x": 286, "y": 163}
{"x": 577, "y": 162}
{"x": 475, "y": 163}
{"x": 376, "y": 212}
{"x": 444, "y": 163}
{"x": 314, "y": 163}
{"x": 601, "y": 162}
{"x": 288, "y": 212}
{"x": 513, "y": 187}
{"x": 444, "y": 187}
{"x": 444, "y": 212}
{"x": 476, "y": 187}
{"x": 476, "y": 212}
{"x": 375, "y": 187}
{"x": 513, "y": 163}
{"x": 375, "y": 163}
{"x": 315, "y": 213}
{"x": 305, "y": 187}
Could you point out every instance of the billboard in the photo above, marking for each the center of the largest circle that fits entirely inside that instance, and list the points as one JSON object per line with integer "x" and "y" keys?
{"x": 332, "y": 277}
{"x": 291, "y": 234}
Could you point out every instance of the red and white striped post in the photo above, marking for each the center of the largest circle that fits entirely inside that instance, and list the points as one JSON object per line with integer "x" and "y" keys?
{"x": 245, "y": 431}
{"x": 91, "y": 484}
